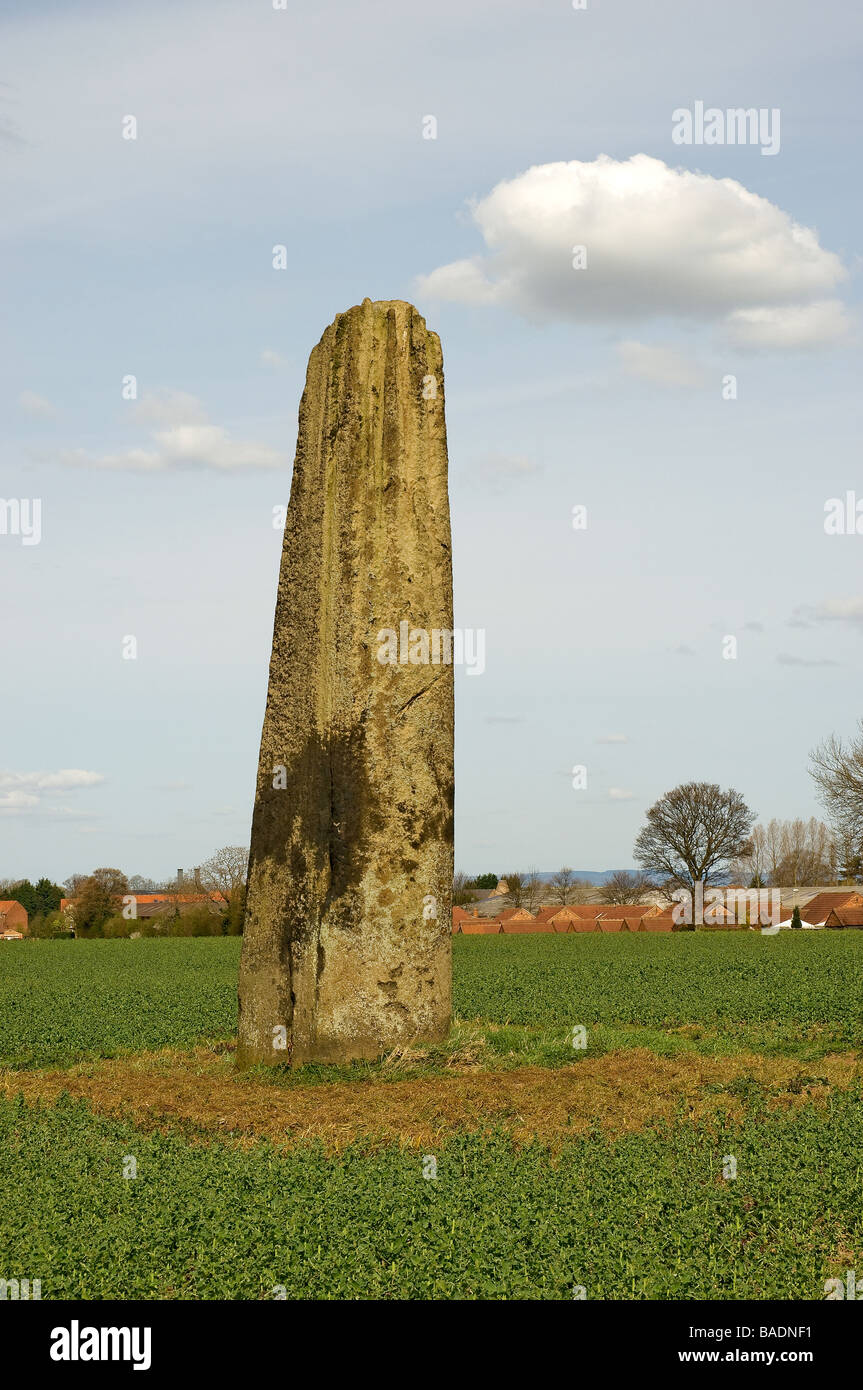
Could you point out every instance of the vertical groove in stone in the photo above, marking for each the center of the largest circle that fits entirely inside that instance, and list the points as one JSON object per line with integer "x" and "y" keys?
{"x": 337, "y": 950}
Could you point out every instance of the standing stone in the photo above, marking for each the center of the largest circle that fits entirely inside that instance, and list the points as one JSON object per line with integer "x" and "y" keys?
{"x": 346, "y": 951}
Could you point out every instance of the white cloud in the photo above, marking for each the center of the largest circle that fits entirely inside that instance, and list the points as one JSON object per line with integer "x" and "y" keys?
{"x": 188, "y": 441}
{"x": 830, "y": 610}
{"x": 614, "y": 738}
{"x": 23, "y": 791}
{"x": 792, "y": 326}
{"x": 659, "y": 242}
{"x": 620, "y": 794}
{"x": 67, "y": 779}
{"x": 664, "y": 366}
{"x": 36, "y": 405}
{"x": 17, "y": 801}
{"x": 271, "y": 358}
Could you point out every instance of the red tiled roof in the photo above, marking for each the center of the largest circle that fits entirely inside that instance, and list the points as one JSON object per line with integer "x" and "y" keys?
{"x": 844, "y": 917}
{"x": 521, "y": 926}
{"x": 818, "y": 908}
{"x": 658, "y": 923}
{"x": 143, "y": 898}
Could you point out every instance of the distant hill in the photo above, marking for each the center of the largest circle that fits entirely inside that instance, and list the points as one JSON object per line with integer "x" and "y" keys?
{"x": 589, "y": 875}
{"x": 586, "y": 875}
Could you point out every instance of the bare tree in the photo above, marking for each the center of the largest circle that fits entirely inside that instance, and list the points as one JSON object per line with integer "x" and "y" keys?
{"x": 563, "y": 886}
{"x": 461, "y": 894}
{"x": 532, "y": 890}
{"x": 139, "y": 884}
{"x": 693, "y": 833}
{"x": 626, "y": 887}
{"x": 837, "y": 770}
{"x": 515, "y": 889}
{"x": 809, "y": 854}
{"x": 751, "y": 866}
{"x": 789, "y": 853}
{"x": 850, "y": 862}
{"x": 223, "y": 873}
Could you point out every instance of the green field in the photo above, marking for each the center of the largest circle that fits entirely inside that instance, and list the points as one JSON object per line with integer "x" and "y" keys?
{"x": 62, "y": 1000}
{"x": 631, "y": 1209}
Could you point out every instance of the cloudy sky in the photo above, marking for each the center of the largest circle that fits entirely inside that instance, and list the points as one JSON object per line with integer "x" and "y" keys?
{"x": 664, "y": 334}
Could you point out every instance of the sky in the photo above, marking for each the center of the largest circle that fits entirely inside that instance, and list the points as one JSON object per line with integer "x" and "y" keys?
{"x": 662, "y": 334}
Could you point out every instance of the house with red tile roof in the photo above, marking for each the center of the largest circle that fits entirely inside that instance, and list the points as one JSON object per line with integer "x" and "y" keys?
{"x": 516, "y": 914}
{"x": 818, "y": 909}
{"x": 660, "y": 921}
{"x": 488, "y": 926}
{"x": 525, "y": 926}
{"x": 637, "y": 910}
{"x": 560, "y": 918}
{"x": 13, "y": 917}
{"x": 845, "y": 917}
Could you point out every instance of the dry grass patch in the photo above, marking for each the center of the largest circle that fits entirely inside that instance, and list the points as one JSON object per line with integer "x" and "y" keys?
{"x": 626, "y": 1090}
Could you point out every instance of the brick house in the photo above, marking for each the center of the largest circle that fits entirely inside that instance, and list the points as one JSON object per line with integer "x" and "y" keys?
{"x": 13, "y": 917}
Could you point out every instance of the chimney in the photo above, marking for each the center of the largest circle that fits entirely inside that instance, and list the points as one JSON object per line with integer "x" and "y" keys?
{"x": 179, "y": 878}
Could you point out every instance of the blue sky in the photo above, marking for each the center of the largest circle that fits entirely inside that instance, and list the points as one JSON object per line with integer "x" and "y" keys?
{"x": 602, "y": 387}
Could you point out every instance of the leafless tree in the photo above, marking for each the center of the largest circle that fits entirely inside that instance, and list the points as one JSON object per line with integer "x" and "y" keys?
{"x": 750, "y": 867}
{"x": 789, "y": 853}
{"x": 837, "y": 769}
{"x": 461, "y": 894}
{"x": 626, "y": 887}
{"x": 563, "y": 887}
{"x": 808, "y": 854}
{"x": 139, "y": 884}
{"x": 223, "y": 873}
{"x": 515, "y": 889}
{"x": 693, "y": 833}
{"x": 532, "y": 890}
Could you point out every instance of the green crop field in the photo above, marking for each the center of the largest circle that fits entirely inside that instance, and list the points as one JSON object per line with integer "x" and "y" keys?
{"x": 63, "y": 1000}
{"x": 701, "y": 1048}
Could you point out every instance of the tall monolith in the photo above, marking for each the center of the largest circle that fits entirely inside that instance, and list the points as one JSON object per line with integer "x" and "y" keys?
{"x": 346, "y": 951}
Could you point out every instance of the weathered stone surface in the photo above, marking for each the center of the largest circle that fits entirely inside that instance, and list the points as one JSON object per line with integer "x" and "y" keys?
{"x": 347, "y": 936}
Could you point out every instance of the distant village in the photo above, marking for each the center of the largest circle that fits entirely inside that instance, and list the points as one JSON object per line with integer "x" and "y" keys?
{"x": 740, "y": 908}
{"x": 190, "y": 908}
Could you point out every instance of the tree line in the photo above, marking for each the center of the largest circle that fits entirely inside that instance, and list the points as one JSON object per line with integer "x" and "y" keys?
{"x": 208, "y": 900}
